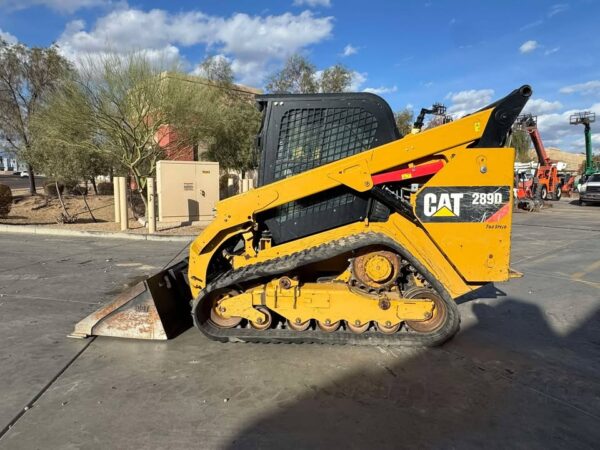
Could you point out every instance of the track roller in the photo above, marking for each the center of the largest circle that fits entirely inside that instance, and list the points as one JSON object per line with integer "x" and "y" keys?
{"x": 265, "y": 323}
{"x": 298, "y": 325}
{"x": 328, "y": 327}
{"x": 357, "y": 327}
{"x": 387, "y": 328}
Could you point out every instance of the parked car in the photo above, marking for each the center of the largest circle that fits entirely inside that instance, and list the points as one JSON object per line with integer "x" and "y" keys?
{"x": 589, "y": 190}
{"x": 24, "y": 174}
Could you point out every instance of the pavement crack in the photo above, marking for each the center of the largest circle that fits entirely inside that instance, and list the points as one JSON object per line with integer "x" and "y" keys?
{"x": 42, "y": 391}
{"x": 50, "y": 299}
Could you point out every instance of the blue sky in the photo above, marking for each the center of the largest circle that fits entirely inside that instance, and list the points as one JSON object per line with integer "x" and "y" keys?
{"x": 462, "y": 53}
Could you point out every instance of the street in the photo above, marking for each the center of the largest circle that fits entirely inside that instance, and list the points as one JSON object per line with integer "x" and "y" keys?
{"x": 16, "y": 182}
{"x": 523, "y": 372}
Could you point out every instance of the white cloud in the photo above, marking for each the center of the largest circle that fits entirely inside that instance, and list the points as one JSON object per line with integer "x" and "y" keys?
{"x": 557, "y": 9}
{"x": 381, "y": 90}
{"x": 540, "y": 106}
{"x": 358, "y": 79}
{"x": 553, "y": 125}
{"x": 528, "y": 46}
{"x": 589, "y": 87}
{"x": 580, "y": 143}
{"x": 554, "y": 10}
{"x": 465, "y": 102}
{"x": 253, "y": 43}
{"x": 349, "y": 50}
{"x": 551, "y": 50}
{"x": 67, "y": 6}
{"x": 313, "y": 3}
{"x": 556, "y": 130}
{"x": 6, "y": 36}
{"x": 535, "y": 23}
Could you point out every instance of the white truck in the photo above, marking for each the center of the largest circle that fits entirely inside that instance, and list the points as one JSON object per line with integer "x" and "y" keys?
{"x": 589, "y": 190}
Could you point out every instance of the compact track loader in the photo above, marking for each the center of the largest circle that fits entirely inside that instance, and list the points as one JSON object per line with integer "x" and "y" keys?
{"x": 355, "y": 234}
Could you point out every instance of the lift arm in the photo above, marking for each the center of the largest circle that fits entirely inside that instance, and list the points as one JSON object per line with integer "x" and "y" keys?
{"x": 538, "y": 145}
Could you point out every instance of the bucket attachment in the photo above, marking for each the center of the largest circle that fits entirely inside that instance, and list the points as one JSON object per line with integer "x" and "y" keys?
{"x": 157, "y": 308}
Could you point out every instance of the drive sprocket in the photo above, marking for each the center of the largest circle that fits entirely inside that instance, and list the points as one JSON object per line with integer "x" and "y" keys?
{"x": 375, "y": 271}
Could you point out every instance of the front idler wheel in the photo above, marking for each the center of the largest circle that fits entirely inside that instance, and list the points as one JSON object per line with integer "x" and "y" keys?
{"x": 439, "y": 314}
{"x": 218, "y": 311}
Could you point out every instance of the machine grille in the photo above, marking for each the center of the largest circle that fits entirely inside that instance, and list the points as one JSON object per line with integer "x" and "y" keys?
{"x": 326, "y": 202}
{"x": 311, "y": 137}
{"x": 302, "y": 132}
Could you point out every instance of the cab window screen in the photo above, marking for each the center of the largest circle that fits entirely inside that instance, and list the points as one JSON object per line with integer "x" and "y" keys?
{"x": 311, "y": 137}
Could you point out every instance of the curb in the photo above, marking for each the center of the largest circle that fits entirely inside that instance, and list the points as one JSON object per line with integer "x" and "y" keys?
{"x": 47, "y": 231}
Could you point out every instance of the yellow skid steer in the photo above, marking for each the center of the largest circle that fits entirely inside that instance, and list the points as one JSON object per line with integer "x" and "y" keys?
{"x": 354, "y": 235}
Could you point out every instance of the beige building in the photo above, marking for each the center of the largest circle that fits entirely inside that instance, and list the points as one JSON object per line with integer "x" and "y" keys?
{"x": 572, "y": 160}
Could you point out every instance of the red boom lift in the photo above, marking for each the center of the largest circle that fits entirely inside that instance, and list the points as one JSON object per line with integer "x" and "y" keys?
{"x": 547, "y": 173}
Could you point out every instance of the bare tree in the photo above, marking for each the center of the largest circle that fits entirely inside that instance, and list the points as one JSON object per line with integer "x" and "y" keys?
{"x": 232, "y": 142}
{"x": 27, "y": 77}
{"x": 69, "y": 164}
{"x": 520, "y": 141}
{"x": 126, "y": 107}
{"x": 404, "y": 121}
{"x": 336, "y": 78}
{"x": 216, "y": 69}
{"x": 300, "y": 76}
{"x": 296, "y": 77}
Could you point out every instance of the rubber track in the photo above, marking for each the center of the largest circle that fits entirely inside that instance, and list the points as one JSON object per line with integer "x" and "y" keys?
{"x": 283, "y": 265}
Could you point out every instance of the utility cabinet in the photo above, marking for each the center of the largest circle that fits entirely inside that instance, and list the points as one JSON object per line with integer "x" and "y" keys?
{"x": 187, "y": 190}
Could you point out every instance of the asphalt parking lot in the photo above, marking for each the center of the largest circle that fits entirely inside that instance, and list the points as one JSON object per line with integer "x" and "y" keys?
{"x": 524, "y": 372}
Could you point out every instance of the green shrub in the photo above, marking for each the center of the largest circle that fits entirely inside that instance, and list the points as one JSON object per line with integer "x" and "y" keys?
{"x": 5, "y": 200}
{"x": 105, "y": 188}
{"x": 50, "y": 188}
{"x": 70, "y": 185}
{"x": 78, "y": 190}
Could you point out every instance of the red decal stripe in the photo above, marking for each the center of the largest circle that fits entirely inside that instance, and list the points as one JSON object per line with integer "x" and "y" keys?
{"x": 500, "y": 214}
{"x": 408, "y": 173}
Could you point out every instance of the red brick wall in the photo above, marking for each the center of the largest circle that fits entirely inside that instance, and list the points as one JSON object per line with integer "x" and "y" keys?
{"x": 166, "y": 136}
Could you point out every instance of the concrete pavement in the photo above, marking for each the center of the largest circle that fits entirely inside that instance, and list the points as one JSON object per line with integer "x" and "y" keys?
{"x": 522, "y": 373}
{"x": 46, "y": 284}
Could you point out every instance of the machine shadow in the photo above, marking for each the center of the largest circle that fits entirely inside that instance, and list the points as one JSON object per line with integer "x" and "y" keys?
{"x": 488, "y": 290}
{"x": 576, "y": 202}
{"x": 507, "y": 382}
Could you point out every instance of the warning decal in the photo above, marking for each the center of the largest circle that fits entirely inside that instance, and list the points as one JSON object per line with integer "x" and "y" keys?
{"x": 462, "y": 203}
